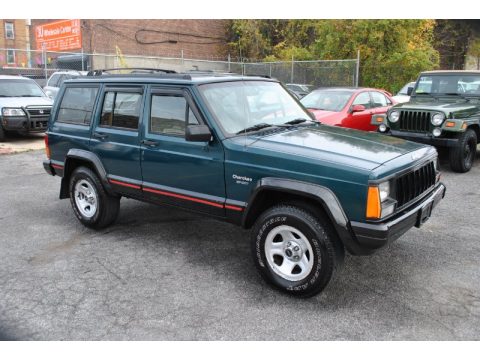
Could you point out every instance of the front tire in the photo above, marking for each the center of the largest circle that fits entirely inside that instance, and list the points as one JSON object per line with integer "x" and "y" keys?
{"x": 463, "y": 155}
{"x": 295, "y": 250}
{"x": 2, "y": 133}
{"x": 91, "y": 204}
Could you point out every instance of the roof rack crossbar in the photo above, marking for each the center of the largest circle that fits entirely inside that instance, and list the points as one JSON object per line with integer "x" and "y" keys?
{"x": 99, "y": 72}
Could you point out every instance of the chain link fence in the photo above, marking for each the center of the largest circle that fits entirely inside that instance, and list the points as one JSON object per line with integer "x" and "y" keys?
{"x": 40, "y": 65}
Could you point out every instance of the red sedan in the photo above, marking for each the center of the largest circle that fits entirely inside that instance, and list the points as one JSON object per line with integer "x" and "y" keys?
{"x": 348, "y": 107}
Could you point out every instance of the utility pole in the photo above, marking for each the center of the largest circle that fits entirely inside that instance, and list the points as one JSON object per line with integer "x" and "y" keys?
{"x": 357, "y": 70}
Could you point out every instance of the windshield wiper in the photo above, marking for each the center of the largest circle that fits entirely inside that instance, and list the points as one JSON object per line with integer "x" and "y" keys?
{"x": 27, "y": 95}
{"x": 254, "y": 128}
{"x": 296, "y": 121}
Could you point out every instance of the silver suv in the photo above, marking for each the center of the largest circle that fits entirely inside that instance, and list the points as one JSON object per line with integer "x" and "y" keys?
{"x": 24, "y": 107}
{"x": 56, "y": 80}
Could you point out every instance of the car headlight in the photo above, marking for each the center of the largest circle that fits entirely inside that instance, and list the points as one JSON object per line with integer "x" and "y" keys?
{"x": 437, "y": 119}
{"x": 384, "y": 189}
{"x": 13, "y": 112}
{"x": 379, "y": 202}
{"x": 394, "y": 116}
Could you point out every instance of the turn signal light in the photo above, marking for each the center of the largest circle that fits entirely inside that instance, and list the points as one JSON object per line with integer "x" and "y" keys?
{"x": 47, "y": 148}
{"x": 449, "y": 124}
{"x": 374, "y": 210}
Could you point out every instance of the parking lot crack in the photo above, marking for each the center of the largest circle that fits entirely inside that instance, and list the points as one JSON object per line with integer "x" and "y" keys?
{"x": 110, "y": 271}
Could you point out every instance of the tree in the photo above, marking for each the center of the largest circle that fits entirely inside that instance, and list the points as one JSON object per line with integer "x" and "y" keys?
{"x": 474, "y": 51}
{"x": 392, "y": 52}
{"x": 450, "y": 39}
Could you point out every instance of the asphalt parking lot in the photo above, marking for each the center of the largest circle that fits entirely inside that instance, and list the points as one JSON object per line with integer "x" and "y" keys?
{"x": 168, "y": 275}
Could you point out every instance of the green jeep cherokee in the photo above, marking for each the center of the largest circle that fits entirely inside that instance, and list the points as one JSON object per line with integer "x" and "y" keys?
{"x": 444, "y": 111}
{"x": 242, "y": 150}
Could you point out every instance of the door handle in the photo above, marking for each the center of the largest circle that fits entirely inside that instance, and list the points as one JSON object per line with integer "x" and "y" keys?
{"x": 150, "y": 143}
{"x": 100, "y": 136}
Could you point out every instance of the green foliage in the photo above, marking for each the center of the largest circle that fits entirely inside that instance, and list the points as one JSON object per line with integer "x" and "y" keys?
{"x": 475, "y": 52}
{"x": 392, "y": 52}
{"x": 451, "y": 39}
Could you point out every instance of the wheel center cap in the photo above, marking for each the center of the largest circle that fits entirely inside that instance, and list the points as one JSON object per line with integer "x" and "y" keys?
{"x": 293, "y": 251}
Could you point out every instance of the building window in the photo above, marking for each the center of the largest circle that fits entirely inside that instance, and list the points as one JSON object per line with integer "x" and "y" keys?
{"x": 10, "y": 56}
{"x": 9, "y": 31}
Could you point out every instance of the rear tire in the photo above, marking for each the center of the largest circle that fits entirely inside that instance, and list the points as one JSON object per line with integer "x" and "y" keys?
{"x": 462, "y": 156}
{"x": 295, "y": 250}
{"x": 90, "y": 202}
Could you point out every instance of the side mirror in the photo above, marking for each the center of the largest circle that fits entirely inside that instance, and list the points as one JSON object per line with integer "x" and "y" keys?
{"x": 358, "y": 108}
{"x": 198, "y": 133}
{"x": 409, "y": 90}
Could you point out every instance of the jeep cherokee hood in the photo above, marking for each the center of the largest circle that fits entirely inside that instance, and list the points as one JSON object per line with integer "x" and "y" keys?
{"x": 345, "y": 146}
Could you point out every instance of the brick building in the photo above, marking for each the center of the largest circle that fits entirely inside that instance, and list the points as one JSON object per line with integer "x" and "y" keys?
{"x": 202, "y": 39}
{"x": 14, "y": 34}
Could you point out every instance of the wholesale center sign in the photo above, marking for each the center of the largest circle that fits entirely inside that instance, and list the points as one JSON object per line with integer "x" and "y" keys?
{"x": 59, "y": 35}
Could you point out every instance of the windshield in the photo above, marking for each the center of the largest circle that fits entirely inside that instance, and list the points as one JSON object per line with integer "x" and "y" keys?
{"x": 326, "y": 100}
{"x": 239, "y": 105}
{"x": 449, "y": 84}
{"x": 20, "y": 88}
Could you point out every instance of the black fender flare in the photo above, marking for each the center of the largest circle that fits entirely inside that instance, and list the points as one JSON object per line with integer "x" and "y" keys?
{"x": 93, "y": 160}
{"x": 321, "y": 194}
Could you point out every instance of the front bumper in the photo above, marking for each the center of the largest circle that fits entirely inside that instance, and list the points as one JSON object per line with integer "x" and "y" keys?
{"x": 423, "y": 138}
{"x": 373, "y": 236}
{"x": 24, "y": 124}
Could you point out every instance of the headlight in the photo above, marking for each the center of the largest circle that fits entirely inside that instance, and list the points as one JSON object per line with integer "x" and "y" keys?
{"x": 13, "y": 112}
{"x": 384, "y": 189}
{"x": 437, "y": 119}
{"x": 394, "y": 116}
{"x": 379, "y": 203}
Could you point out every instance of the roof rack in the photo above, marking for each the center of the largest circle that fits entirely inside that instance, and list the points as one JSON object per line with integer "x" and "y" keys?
{"x": 134, "y": 70}
{"x": 262, "y": 76}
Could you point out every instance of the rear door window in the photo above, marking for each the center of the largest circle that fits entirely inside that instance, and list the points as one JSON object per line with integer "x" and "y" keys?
{"x": 77, "y": 105}
{"x": 121, "y": 110}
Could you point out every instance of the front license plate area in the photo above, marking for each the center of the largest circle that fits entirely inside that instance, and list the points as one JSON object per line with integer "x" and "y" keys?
{"x": 424, "y": 214}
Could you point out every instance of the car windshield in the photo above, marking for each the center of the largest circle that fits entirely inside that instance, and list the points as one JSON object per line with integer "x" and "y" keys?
{"x": 239, "y": 105}
{"x": 20, "y": 88}
{"x": 326, "y": 100}
{"x": 448, "y": 84}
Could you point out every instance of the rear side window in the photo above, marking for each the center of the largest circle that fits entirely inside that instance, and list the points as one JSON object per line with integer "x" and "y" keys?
{"x": 121, "y": 110}
{"x": 54, "y": 80}
{"x": 169, "y": 114}
{"x": 77, "y": 105}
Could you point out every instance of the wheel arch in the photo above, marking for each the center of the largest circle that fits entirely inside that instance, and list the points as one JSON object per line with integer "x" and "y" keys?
{"x": 79, "y": 157}
{"x": 476, "y": 128}
{"x": 271, "y": 191}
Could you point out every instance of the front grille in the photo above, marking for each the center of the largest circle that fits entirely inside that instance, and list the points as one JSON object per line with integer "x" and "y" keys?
{"x": 39, "y": 112}
{"x": 413, "y": 184}
{"x": 418, "y": 121}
